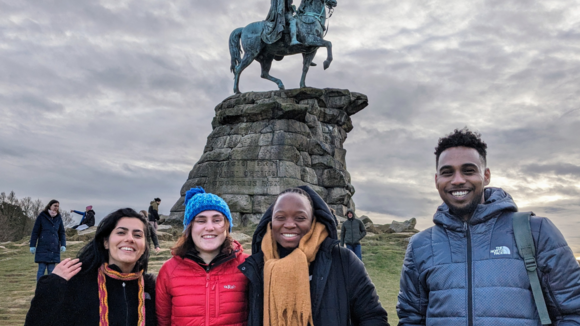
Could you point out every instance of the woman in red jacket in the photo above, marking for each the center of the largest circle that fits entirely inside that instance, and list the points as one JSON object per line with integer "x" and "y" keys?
{"x": 201, "y": 283}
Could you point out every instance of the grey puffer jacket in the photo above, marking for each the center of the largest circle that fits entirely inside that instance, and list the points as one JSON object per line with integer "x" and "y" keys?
{"x": 470, "y": 273}
{"x": 352, "y": 231}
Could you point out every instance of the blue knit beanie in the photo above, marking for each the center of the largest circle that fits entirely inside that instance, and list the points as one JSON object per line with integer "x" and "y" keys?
{"x": 197, "y": 201}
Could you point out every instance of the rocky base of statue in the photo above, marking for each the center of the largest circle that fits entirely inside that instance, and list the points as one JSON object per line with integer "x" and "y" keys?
{"x": 265, "y": 142}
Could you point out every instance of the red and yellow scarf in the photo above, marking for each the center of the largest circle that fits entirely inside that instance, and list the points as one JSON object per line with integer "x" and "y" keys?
{"x": 103, "y": 296}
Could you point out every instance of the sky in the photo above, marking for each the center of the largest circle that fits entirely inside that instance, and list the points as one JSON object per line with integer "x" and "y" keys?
{"x": 109, "y": 103}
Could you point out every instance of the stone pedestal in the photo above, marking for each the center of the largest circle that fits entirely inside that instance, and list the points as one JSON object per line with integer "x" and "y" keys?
{"x": 265, "y": 142}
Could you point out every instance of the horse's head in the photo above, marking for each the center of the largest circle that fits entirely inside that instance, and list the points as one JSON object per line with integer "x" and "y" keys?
{"x": 330, "y": 3}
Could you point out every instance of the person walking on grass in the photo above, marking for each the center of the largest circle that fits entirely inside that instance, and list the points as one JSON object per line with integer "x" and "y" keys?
{"x": 107, "y": 284}
{"x": 299, "y": 275}
{"x": 201, "y": 283}
{"x": 152, "y": 232}
{"x": 352, "y": 232}
{"x": 468, "y": 268}
{"x": 48, "y": 238}
{"x": 154, "y": 213}
{"x": 87, "y": 219}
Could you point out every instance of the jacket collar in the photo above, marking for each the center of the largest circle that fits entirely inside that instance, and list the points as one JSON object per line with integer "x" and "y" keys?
{"x": 496, "y": 201}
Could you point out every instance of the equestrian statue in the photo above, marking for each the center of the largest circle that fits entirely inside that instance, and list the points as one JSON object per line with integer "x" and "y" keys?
{"x": 286, "y": 31}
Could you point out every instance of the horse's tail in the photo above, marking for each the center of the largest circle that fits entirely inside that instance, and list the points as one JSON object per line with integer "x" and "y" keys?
{"x": 235, "y": 50}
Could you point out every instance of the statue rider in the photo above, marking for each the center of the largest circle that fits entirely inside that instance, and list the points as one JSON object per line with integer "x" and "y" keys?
{"x": 281, "y": 13}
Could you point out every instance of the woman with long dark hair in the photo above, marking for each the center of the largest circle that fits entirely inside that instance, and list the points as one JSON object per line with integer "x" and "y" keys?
{"x": 299, "y": 275}
{"x": 201, "y": 284}
{"x": 48, "y": 238}
{"x": 106, "y": 285}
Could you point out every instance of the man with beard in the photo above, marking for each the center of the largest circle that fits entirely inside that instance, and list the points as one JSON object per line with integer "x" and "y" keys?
{"x": 467, "y": 270}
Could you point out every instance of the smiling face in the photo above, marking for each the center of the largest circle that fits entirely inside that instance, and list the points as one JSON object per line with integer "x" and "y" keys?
{"x": 208, "y": 232}
{"x": 54, "y": 207}
{"x": 460, "y": 179}
{"x": 126, "y": 244}
{"x": 291, "y": 219}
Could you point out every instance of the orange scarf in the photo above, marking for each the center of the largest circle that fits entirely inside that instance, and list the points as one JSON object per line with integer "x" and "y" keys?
{"x": 104, "y": 298}
{"x": 287, "y": 281}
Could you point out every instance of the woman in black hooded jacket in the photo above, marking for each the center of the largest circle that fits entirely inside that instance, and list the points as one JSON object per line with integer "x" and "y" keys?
{"x": 341, "y": 292}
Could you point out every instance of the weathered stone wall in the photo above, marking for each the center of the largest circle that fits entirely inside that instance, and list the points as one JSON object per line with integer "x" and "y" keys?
{"x": 265, "y": 142}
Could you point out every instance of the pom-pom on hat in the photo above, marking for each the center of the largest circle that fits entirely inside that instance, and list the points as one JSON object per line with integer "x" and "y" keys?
{"x": 197, "y": 201}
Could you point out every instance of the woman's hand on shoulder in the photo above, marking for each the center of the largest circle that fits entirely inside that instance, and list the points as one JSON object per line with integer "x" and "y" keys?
{"x": 68, "y": 268}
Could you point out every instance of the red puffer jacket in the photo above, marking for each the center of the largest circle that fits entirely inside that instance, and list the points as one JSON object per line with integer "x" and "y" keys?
{"x": 188, "y": 295}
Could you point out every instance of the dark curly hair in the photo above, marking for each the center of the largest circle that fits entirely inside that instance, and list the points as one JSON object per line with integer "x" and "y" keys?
{"x": 462, "y": 137}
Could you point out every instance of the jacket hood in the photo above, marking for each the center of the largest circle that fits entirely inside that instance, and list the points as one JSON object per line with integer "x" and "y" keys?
{"x": 321, "y": 211}
{"x": 350, "y": 211}
{"x": 496, "y": 201}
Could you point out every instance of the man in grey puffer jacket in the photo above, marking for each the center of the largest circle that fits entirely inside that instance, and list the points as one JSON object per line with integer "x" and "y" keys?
{"x": 466, "y": 270}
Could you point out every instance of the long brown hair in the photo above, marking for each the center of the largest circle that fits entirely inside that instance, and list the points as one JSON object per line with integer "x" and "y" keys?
{"x": 185, "y": 243}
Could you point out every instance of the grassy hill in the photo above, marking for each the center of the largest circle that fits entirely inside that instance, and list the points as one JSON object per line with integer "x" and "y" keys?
{"x": 382, "y": 254}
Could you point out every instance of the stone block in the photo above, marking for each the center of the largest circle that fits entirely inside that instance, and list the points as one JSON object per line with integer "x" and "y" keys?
{"x": 333, "y": 178}
{"x": 251, "y": 186}
{"x": 300, "y": 94}
{"x": 306, "y": 161}
{"x": 288, "y": 170}
{"x": 238, "y": 99}
{"x": 285, "y": 153}
{"x": 178, "y": 207}
{"x": 222, "y": 154}
{"x": 220, "y": 131}
{"x": 236, "y": 219}
{"x": 358, "y": 102}
{"x": 239, "y": 203}
{"x": 333, "y": 116}
{"x": 340, "y": 156}
{"x": 232, "y": 115}
{"x": 405, "y": 226}
{"x": 300, "y": 142}
{"x": 201, "y": 170}
{"x": 233, "y": 141}
{"x": 339, "y": 210}
{"x": 265, "y": 139}
{"x": 247, "y": 169}
{"x": 338, "y": 102}
{"x": 257, "y": 127}
{"x": 245, "y": 153}
{"x": 242, "y": 128}
{"x": 309, "y": 175}
{"x": 338, "y": 196}
{"x": 347, "y": 126}
{"x": 291, "y": 111}
{"x": 311, "y": 121}
{"x": 262, "y": 111}
{"x": 192, "y": 183}
{"x": 251, "y": 219}
{"x": 291, "y": 126}
{"x": 323, "y": 161}
{"x": 251, "y": 140}
{"x": 257, "y": 96}
{"x": 316, "y": 147}
{"x": 262, "y": 203}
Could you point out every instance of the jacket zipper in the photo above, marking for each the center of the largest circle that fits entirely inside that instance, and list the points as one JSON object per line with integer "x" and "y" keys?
{"x": 469, "y": 278}
{"x": 207, "y": 300}
{"x": 126, "y": 305}
{"x": 217, "y": 298}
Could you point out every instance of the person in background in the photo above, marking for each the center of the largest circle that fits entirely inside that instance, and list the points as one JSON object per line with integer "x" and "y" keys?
{"x": 154, "y": 212}
{"x": 152, "y": 232}
{"x": 107, "y": 284}
{"x": 48, "y": 238}
{"x": 87, "y": 219}
{"x": 201, "y": 283}
{"x": 467, "y": 269}
{"x": 352, "y": 232}
{"x": 299, "y": 275}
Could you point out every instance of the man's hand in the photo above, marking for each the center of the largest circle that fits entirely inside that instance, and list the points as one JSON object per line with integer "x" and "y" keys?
{"x": 157, "y": 250}
{"x": 68, "y": 268}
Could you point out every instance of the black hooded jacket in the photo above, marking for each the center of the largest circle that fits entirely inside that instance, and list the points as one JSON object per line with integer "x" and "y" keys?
{"x": 341, "y": 291}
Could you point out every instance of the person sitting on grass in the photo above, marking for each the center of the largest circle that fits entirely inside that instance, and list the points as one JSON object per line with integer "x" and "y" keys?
{"x": 299, "y": 275}
{"x": 106, "y": 285}
{"x": 87, "y": 219}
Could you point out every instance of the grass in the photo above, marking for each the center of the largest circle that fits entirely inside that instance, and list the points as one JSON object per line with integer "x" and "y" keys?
{"x": 382, "y": 254}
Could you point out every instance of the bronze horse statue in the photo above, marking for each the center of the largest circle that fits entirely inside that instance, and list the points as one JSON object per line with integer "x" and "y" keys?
{"x": 310, "y": 21}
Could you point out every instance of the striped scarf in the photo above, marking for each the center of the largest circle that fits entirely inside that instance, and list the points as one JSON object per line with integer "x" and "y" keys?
{"x": 103, "y": 296}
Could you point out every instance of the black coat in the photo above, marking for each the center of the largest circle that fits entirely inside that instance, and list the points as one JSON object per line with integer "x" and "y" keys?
{"x": 49, "y": 233}
{"x": 153, "y": 214}
{"x": 76, "y": 302}
{"x": 89, "y": 218}
{"x": 341, "y": 291}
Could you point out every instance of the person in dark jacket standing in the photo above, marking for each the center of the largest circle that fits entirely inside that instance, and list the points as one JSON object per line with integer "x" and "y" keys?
{"x": 154, "y": 212}
{"x": 88, "y": 217}
{"x": 466, "y": 270}
{"x": 48, "y": 238}
{"x": 299, "y": 275}
{"x": 152, "y": 232}
{"x": 352, "y": 232}
{"x": 106, "y": 285}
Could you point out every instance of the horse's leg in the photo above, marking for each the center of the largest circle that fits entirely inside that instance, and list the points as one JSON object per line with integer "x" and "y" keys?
{"x": 266, "y": 63}
{"x": 308, "y": 57}
{"x": 328, "y": 47}
{"x": 246, "y": 61}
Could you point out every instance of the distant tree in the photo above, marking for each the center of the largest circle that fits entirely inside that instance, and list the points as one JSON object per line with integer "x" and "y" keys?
{"x": 17, "y": 216}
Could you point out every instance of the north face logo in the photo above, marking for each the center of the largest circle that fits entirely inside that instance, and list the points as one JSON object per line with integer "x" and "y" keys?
{"x": 501, "y": 251}
{"x": 229, "y": 287}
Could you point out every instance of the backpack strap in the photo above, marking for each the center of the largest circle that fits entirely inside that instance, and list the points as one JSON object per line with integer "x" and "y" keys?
{"x": 525, "y": 243}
